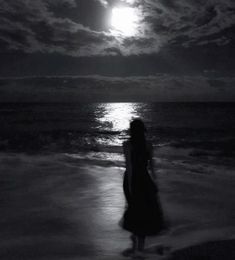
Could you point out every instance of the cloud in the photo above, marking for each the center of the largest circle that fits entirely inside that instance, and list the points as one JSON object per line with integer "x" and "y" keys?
{"x": 195, "y": 20}
{"x": 34, "y": 26}
{"x": 161, "y": 87}
{"x": 103, "y": 2}
{"x": 69, "y": 3}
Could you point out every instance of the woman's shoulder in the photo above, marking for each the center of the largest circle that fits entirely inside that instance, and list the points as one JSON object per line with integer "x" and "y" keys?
{"x": 149, "y": 143}
{"x": 126, "y": 144}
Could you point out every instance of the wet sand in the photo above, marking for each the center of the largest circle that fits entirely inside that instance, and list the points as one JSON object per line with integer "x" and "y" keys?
{"x": 215, "y": 250}
{"x": 54, "y": 207}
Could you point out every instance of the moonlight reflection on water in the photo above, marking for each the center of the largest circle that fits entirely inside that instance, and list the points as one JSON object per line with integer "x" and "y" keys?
{"x": 117, "y": 116}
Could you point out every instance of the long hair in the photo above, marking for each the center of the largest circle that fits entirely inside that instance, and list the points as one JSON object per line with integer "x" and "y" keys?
{"x": 138, "y": 140}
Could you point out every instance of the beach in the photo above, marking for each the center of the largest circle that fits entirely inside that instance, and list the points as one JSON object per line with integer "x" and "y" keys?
{"x": 61, "y": 174}
{"x": 96, "y": 92}
{"x": 53, "y": 206}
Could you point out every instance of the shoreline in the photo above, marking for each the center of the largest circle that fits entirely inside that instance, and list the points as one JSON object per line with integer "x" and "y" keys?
{"x": 55, "y": 207}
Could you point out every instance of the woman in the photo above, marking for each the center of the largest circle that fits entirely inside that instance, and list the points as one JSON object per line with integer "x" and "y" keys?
{"x": 143, "y": 215}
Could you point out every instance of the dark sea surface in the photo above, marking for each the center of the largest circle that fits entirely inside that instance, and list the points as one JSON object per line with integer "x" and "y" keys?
{"x": 61, "y": 175}
{"x": 70, "y": 127}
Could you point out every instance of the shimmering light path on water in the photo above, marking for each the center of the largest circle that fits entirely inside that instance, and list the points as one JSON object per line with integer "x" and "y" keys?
{"x": 117, "y": 116}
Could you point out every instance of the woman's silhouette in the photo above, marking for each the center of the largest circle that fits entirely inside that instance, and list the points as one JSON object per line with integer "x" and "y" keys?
{"x": 143, "y": 215}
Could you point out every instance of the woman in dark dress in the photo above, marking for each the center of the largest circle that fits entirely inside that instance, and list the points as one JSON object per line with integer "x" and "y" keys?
{"x": 143, "y": 215}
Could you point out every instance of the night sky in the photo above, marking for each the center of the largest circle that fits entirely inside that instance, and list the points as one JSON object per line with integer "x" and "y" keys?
{"x": 176, "y": 49}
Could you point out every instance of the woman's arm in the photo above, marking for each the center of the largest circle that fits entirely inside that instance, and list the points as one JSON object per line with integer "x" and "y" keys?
{"x": 127, "y": 154}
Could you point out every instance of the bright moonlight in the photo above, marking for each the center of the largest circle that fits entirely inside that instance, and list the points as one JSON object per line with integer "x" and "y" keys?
{"x": 124, "y": 21}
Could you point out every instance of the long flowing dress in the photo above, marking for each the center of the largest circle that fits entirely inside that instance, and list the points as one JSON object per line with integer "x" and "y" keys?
{"x": 143, "y": 215}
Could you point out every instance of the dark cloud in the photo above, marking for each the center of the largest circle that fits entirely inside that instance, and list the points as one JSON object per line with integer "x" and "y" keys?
{"x": 32, "y": 26}
{"x": 161, "y": 87}
{"x": 190, "y": 21}
{"x": 81, "y": 28}
{"x": 175, "y": 60}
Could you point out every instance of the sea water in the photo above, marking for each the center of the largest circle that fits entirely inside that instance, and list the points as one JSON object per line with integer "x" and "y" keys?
{"x": 71, "y": 127}
{"x": 66, "y": 160}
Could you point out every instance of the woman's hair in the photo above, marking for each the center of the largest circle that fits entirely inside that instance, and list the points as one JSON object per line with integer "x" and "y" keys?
{"x": 137, "y": 130}
{"x": 137, "y": 136}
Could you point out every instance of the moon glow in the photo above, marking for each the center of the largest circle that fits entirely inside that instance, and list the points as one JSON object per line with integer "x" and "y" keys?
{"x": 124, "y": 21}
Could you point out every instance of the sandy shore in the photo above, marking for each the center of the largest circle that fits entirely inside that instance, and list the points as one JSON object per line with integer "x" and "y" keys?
{"x": 54, "y": 207}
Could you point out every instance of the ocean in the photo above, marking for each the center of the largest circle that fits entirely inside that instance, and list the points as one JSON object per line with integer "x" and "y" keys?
{"x": 61, "y": 172}
{"x": 66, "y": 127}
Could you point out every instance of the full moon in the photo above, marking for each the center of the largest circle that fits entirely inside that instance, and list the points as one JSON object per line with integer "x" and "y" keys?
{"x": 124, "y": 21}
